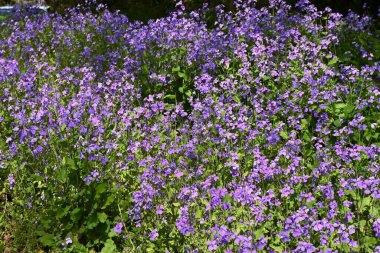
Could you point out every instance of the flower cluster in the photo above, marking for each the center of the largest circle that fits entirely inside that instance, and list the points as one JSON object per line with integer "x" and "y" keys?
{"x": 259, "y": 132}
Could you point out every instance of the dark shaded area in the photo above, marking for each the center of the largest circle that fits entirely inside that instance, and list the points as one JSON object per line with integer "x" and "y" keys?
{"x": 150, "y": 9}
{"x": 372, "y": 6}
{"x": 141, "y": 9}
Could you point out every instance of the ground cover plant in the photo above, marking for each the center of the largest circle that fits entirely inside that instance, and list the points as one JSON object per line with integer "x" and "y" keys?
{"x": 257, "y": 133}
{"x": 3, "y": 17}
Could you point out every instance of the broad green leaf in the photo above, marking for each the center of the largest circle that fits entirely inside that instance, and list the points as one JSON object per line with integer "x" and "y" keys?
{"x": 47, "y": 240}
{"x": 284, "y": 135}
{"x": 348, "y": 109}
{"x": 333, "y": 61}
{"x": 112, "y": 233}
{"x": 71, "y": 163}
{"x": 183, "y": 75}
{"x": 369, "y": 241}
{"x": 304, "y": 123}
{"x": 340, "y": 106}
{"x": 362, "y": 225}
{"x": 109, "y": 247}
{"x": 92, "y": 221}
{"x": 100, "y": 188}
{"x": 170, "y": 96}
{"x": 306, "y": 137}
{"x": 76, "y": 214}
{"x": 102, "y": 217}
{"x": 227, "y": 198}
{"x": 337, "y": 123}
{"x": 110, "y": 200}
{"x": 277, "y": 248}
{"x": 365, "y": 204}
{"x": 176, "y": 69}
{"x": 61, "y": 174}
{"x": 62, "y": 212}
{"x": 260, "y": 232}
{"x": 198, "y": 214}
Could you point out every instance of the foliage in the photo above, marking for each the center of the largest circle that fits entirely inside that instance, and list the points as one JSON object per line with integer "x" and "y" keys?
{"x": 259, "y": 132}
{"x": 3, "y": 17}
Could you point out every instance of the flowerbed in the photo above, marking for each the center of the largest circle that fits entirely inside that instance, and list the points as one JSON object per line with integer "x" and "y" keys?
{"x": 259, "y": 133}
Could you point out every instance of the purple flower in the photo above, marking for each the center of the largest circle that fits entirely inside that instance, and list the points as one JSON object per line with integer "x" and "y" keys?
{"x": 376, "y": 227}
{"x": 286, "y": 191}
{"x": 183, "y": 223}
{"x": 68, "y": 241}
{"x": 118, "y": 228}
{"x": 11, "y": 181}
{"x": 305, "y": 247}
{"x": 153, "y": 235}
{"x": 160, "y": 210}
{"x": 212, "y": 245}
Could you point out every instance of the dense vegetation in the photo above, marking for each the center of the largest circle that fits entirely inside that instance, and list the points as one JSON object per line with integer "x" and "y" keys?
{"x": 259, "y": 133}
{"x": 144, "y": 10}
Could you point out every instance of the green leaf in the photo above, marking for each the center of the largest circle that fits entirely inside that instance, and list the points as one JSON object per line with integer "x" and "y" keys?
{"x": 63, "y": 127}
{"x": 102, "y": 217}
{"x": 365, "y": 204}
{"x": 145, "y": 69}
{"x": 306, "y": 137}
{"x": 304, "y": 123}
{"x": 46, "y": 223}
{"x": 351, "y": 193}
{"x": 348, "y": 109}
{"x": 112, "y": 233}
{"x": 71, "y": 163}
{"x": 92, "y": 221}
{"x": 170, "y": 97}
{"x": 369, "y": 241}
{"x": 311, "y": 203}
{"x": 333, "y": 61}
{"x": 337, "y": 123}
{"x": 339, "y": 106}
{"x": 109, "y": 201}
{"x": 100, "y": 188}
{"x": 284, "y": 135}
{"x": 183, "y": 75}
{"x": 47, "y": 240}
{"x": 176, "y": 69}
{"x": 277, "y": 248}
{"x": 76, "y": 214}
{"x": 260, "y": 232}
{"x": 109, "y": 247}
{"x": 151, "y": 247}
{"x": 198, "y": 214}
{"x": 227, "y": 198}
{"x": 375, "y": 212}
{"x": 362, "y": 225}
{"x": 182, "y": 49}
{"x": 62, "y": 212}
{"x": 236, "y": 98}
{"x": 61, "y": 174}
